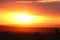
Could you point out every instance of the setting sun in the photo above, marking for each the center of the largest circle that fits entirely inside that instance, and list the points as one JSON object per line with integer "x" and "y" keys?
{"x": 27, "y": 18}
{"x": 23, "y": 18}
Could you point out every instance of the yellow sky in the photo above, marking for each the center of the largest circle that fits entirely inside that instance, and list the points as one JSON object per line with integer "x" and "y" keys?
{"x": 40, "y": 14}
{"x": 18, "y": 18}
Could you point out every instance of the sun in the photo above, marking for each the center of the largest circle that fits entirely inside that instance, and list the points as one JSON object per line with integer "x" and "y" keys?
{"x": 27, "y": 18}
{"x": 23, "y": 18}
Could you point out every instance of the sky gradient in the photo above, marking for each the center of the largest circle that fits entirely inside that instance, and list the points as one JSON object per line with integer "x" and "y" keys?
{"x": 49, "y": 10}
{"x": 46, "y": 14}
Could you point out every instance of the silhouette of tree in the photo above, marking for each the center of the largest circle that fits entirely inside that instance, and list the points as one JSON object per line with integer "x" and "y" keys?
{"x": 37, "y": 36}
{"x": 57, "y": 31}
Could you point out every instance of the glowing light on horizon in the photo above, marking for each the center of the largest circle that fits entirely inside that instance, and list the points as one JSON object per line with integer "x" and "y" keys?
{"x": 23, "y": 18}
{"x": 26, "y": 19}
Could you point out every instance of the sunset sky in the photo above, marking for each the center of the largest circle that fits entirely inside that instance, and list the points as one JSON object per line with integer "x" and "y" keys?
{"x": 30, "y": 13}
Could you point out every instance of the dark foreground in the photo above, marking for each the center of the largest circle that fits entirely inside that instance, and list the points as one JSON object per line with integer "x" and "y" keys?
{"x": 34, "y": 36}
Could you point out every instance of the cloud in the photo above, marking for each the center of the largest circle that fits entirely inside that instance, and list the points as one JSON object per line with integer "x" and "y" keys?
{"x": 28, "y": 0}
{"x": 52, "y": 8}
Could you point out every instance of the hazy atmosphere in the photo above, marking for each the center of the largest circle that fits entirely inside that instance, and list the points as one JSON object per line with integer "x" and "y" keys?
{"x": 29, "y": 13}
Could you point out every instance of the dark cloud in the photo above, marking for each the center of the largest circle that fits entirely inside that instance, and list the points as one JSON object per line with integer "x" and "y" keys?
{"x": 18, "y": 0}
{"x": 3, "y": 1}
{"x": 52, "y": 8}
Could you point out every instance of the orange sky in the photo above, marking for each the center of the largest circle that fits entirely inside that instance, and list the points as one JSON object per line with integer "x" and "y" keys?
{"x": 50, "y": 14}
{"x": 44, "y": 15}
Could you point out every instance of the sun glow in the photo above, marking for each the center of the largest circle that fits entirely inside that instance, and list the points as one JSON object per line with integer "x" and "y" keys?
{"x": 23, "y": 18}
